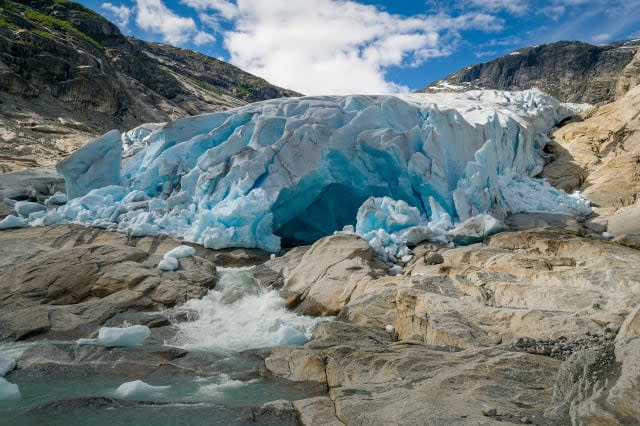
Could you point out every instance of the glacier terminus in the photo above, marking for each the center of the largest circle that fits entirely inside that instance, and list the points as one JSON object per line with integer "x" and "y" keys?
{"x": 394, "y": 169}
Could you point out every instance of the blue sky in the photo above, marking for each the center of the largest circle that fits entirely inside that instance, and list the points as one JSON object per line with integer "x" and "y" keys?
{"x": 366, "y": 46}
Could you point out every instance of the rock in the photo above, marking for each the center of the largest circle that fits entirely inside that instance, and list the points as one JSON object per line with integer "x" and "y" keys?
{"x": 275, "y": 412}
{"x": 6, "y": 208}
{"x": 476, "y": 229}
{"x": 103, "y": 275}
{"x": 433, "y": 258}
{"x": 598, "y": 155}
{"x": 298, "y": 365}
{"x": 35, "y": 184}
{"x": 624, "y": 395}
{"x": 630, "y": 328}
{"x": 630, "y": 76}
{"x": 489, "y": 411}
{"x": 328, "y": 274}
{"x": 318, "y": 411}
{"x": 272, "y": 273}
{"x": 152, "y": 362}
{"x": 581, "y": 388}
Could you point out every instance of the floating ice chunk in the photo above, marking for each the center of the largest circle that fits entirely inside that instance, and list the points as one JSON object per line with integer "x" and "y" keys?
{"x": 25, "y": 208}
{"x": 476, "y": 229}
{"x": 138, "y": 388}
{"x": 181, "y": 252}
{"x": 11, "y": 222}
{"x": 169, "y": 264}
{"x": 6, "y": 365}
{"x": 225, "y": 383}
{"x": 128, "y": 336}
{"x": 287, "y": 335}
{"x": 57, "y": 199}
{"x": 8, "y": 391}
{"x": 93, "y": 166}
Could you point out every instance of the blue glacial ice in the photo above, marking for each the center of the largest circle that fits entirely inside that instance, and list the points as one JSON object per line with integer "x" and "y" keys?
{"x": 139, "y": 389}
{"x": 290, "y": 171}
{"x": 123, "y": 337}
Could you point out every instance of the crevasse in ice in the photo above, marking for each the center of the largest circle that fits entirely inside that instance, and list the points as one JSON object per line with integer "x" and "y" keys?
{"x": 293, "y": 170}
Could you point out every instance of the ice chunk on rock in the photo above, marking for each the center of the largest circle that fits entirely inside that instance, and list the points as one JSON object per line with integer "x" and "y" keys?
{"x": 390, "y": 226}
{"x": 287, "y": 335}
{"x": 138, "y": 388}
{"x": 11, "y": 222}
{"x": 181, "y": 252}
{"x": 128, "y": 336}
{"x": 57, "y": 199}
{"x": 476, "y": 229}
{"x": 95, "y": 165}
{"x": 169, "y": 264}
{"x": 298, "y": 169}
{"x": 6, "y": 365}
{"x": 8, "y": 391}
{"x": 25, "y": 208}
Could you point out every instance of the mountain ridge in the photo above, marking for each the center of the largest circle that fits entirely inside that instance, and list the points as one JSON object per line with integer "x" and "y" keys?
{"x": 571, "y": 71}
{"x": 68, "y": 75}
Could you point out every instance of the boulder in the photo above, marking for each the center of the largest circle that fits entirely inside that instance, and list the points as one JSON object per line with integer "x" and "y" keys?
{"x": 329, "y": 273}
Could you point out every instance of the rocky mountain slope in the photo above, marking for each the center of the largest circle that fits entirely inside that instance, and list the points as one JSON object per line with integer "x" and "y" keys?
{"x": 68, "y": 75}
{"x": 571, "y": 71}
{"x": 599, "y": 154}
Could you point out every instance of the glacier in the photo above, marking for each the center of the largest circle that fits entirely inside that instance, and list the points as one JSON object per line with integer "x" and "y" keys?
{"x": 288, "y": 171}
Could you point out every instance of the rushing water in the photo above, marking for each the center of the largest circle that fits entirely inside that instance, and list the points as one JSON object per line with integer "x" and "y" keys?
{"x": 237, "y": 315}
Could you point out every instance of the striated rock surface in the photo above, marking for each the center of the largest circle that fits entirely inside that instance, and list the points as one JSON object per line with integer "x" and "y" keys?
{"x": 328, "y": 274}
{"x": 599, "y": 154}
{"x": 64, "y": 281}
{"x": 537, "y": 326}
{"x": 572, "y": 71}
{"x": 630, "y": 77}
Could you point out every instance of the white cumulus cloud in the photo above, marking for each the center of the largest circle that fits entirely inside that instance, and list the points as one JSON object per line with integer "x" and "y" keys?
{"x": 333, "y": 46}
{"x": 121, "y": 14}
{"x": 153, "y": 16}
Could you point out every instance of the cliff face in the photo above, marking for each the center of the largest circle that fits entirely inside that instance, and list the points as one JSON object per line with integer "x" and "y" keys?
{"x": 599, "y": 154}
{"x": 68, "y": 75}
{"x": 571, "y": 71}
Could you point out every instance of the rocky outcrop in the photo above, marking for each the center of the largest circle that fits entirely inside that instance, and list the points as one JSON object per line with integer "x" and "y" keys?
{"x": 571, "y": 71}
{"x": 65, "y": 281}
{"x": 67, "y": 75}
{"x": 599, "y": 155}
{"x": 535, "y": 326}
{"x": 630, "y": 77}
{"x": 327, "y": 275}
